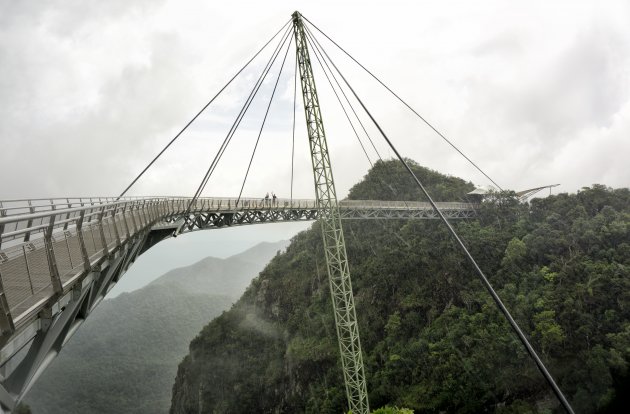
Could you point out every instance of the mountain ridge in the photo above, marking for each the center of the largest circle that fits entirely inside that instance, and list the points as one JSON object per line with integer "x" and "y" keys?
{"x": 126, "y": 353}
{"x": 432, "y": 337}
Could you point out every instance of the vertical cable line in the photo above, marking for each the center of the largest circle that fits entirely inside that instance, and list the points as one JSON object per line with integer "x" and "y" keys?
{"x": 339, "y": 100}
{"x": 293, "y": 140}
{"x": 199, "y": 113}
{"x": 264, "y": 120}
{"x": 235, "y": 125}
{"x": 407, "y": 105}
{"x": 241, "y": 114}
{"x": 318, "y": 49}
{"x": 484, "y": 279}
{"x": 312, "y": 40}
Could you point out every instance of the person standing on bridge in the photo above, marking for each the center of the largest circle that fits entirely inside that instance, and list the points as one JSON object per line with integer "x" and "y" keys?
{"x": 267, "y": 199}
{"x": 275, "y": 199}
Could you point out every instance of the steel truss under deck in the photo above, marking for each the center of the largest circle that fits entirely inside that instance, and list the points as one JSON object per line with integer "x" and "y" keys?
{"x": 348, "y": 210}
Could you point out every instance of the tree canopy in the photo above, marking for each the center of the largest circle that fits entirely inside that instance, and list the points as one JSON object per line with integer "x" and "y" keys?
{"x": 432, "y": 337}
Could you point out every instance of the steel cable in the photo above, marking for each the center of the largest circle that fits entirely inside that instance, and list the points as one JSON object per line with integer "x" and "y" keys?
{"x": 264, "y": 120}
{"x": 341, "y": 104}
{"x": 234, "y": 127}
{"x": 484, "y": 279}
{"x": 199, "y": 113}
{"x": 407, "y": 105}
{"x": 317, "y": 46}
{"x": 241, "y": 115}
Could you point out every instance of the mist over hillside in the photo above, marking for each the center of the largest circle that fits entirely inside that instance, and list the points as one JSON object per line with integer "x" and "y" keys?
{"x": 216, "y": 276}
{"x": 123, "y": 359}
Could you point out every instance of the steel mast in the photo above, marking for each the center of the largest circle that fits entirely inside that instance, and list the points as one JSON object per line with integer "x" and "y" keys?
{"x": 332, "y": 233}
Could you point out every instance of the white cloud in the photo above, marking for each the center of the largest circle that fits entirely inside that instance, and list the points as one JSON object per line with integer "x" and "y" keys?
{"x": 90, "y": 91}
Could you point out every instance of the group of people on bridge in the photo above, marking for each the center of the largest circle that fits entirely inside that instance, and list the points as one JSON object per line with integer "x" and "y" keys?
{"x": 271, "y": 202}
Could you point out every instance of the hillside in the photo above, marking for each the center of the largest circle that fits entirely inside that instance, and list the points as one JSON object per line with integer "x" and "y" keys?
{"x": 432, "y": 337}
{"x": 124, "y": 357}
{"x": 227, "y": 277}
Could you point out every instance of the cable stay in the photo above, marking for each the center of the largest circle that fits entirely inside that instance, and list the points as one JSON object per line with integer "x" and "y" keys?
{"x": 293, "y": 133}
{"x": 407, "y": 105}
{"x": 343, "y": 107}
{"x": 326, "y": 68}
{"x": 262, "y": 126}
{"x": 240, "y": 116}
{"x": 472, "y": 261}
{"x": 318, "y": 52}
{"x": 234, "y": 127}
{"x": 332, "y": 74}
{"x": 200, "y": 112}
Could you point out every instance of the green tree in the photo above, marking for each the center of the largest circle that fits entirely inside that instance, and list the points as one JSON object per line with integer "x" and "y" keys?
{"x": 432, "y": 338}
{"x": 22, "y": 408}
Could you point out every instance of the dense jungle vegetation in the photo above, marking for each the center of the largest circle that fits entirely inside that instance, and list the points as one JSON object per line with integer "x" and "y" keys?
{"x": 432, "y": 337}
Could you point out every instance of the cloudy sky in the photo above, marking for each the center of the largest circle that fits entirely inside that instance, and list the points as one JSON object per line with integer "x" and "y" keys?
{"x": 90, "y": 91}
{"x": 535, "y": 92}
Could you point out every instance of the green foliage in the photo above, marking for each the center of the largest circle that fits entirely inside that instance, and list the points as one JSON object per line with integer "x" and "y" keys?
{"x": 392, "y": 410}
{"x": 548, "y": 331}
{"x": 515, "y": 254}
{"x": 432, "y": 337}
{"x": 388, "y": 180}
{"x": 22, "y": 409}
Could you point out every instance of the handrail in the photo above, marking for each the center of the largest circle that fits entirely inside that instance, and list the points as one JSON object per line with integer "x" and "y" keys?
{"x": 42, "y": 214}
{"x": 35, "y": 222}
{"x": 243, "y": 203}
{"x": 101, "y": 226}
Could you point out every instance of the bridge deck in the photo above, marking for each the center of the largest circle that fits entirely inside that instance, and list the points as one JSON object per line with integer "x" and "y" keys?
{"x": 59, "y": 258}
{"x": 46, "y": 246}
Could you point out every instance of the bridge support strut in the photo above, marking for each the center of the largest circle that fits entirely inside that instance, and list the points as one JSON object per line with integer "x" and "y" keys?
{"x": 332, "y": 233}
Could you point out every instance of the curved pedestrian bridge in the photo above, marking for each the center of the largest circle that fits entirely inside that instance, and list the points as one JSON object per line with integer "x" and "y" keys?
{"x": 60, "y": 257}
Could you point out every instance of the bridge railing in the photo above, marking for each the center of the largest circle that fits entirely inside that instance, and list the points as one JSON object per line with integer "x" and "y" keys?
{"x": 382, "y": 204}
{"x": 26, "y": 206}
{"x": 228, "y": 203}
{"x": 31, "y": 221}
{"x": 43, "y": 252}
{"x": 46, "y": 244}
{"x": 26, "y": 219}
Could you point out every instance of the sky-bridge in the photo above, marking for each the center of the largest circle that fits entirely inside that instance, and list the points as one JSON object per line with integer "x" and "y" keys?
{"x": 59, "y": 258}
{"x": 64, "y": 255}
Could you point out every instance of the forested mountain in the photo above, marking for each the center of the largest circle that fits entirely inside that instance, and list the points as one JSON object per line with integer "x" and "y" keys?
{"x": 124, "y": 357}
{"x": 432, "y": 337}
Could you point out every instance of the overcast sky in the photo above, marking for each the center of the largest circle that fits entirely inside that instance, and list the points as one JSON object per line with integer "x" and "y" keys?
{"x": 90, "y": 91}
{"x": 535, "y": 92}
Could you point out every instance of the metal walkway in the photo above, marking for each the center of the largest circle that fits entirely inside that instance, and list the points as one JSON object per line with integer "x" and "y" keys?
{"x": 60, "y": 257}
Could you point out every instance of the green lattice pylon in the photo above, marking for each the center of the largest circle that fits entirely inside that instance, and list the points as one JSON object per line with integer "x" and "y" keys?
{"x": 332, "y": 233}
